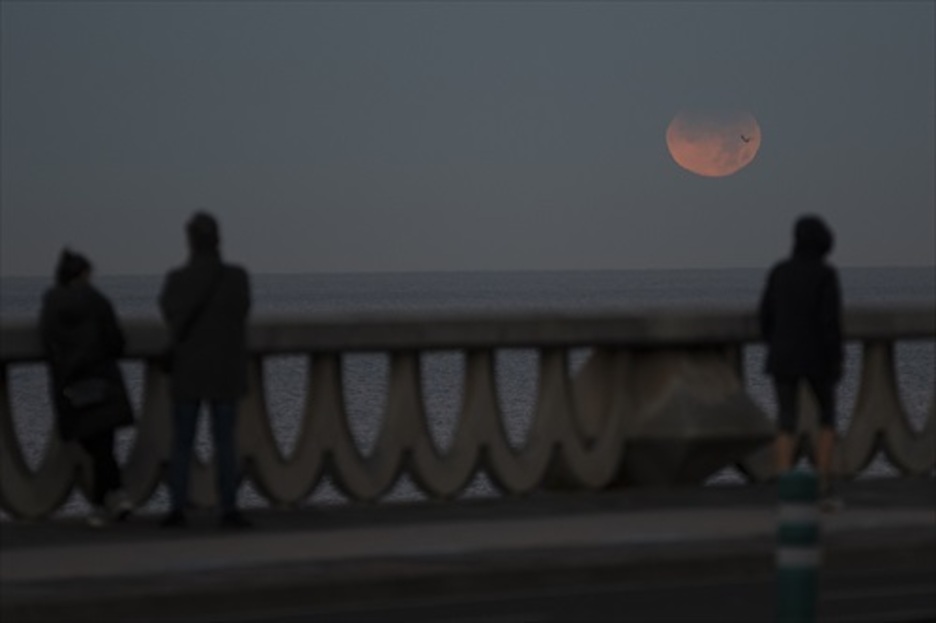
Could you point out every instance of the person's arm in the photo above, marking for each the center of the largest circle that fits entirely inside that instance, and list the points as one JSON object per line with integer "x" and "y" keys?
{"x": 47, "y": 337}
{"x": 242, "y": 301}
{"x": 114, "y": 341}
{"x": 830, "y": 318}
{"x": 45, "y": 326}
{"x": 765, "y": 314}
{"x": 170, "y": 306}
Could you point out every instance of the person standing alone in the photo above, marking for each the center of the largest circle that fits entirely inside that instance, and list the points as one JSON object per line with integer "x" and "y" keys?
{"x": 800, "y": 319}
{"x": 205, "y": 304}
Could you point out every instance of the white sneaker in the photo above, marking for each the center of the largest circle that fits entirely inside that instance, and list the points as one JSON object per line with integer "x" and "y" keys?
{"x": 118, "y": 505}
{"x": 97, "y": 518}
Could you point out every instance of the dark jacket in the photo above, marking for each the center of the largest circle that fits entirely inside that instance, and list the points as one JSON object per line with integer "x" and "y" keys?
{"x": 82, "y": 340}
{"x": 800, "y": 311}
{"x": 210, "y": 362}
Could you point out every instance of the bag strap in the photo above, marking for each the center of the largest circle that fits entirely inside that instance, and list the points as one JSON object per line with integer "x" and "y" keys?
{"x": 202, "y": 305}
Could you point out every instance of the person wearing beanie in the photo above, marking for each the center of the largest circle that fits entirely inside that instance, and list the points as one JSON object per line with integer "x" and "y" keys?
{"x": 800, "y": 319}
{"x": 205, "y": 305}
{"x": 82, "y": 341}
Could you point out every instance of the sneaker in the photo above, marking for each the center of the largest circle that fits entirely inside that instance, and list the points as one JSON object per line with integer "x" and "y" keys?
{"x": 98, "y": 518}
{"x": 175, "y": 519}
{"x": 235, "y": 520}
{"x": 119, "y": 505}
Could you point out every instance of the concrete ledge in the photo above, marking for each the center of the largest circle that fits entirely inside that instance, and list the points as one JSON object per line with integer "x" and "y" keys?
{"x": 19, "y": 340}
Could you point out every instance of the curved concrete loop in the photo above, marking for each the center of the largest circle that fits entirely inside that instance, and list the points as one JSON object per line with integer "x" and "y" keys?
{"x": 24, "y": 493}
{"x": 660, "y": 415}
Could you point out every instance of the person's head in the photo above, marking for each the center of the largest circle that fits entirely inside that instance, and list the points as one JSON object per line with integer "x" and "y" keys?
{"x": 203, "y": 237}
{"x": 812, "y": 237}
{"x": 72, "y": 267}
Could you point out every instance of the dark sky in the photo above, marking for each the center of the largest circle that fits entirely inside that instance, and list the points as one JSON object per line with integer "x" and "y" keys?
{"x": 460, "y": 136}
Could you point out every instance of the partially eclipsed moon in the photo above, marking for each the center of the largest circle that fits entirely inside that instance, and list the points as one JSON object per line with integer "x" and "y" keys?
{"x": 713, "y": 144}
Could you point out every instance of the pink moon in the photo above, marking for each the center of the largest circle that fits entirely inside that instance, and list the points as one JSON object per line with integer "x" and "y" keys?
{"x": 713, "y": 144}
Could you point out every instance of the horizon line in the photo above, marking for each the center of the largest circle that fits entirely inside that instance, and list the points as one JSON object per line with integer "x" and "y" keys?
{"x": 489, "y": 271}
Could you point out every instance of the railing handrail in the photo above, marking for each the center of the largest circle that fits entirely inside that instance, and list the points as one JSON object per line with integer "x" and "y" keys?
{"x": 383, "y": 331}
{"x": 666, "y": 403}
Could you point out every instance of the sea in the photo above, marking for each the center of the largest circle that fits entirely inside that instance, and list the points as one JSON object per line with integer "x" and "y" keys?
{"x": 366, "y": 373}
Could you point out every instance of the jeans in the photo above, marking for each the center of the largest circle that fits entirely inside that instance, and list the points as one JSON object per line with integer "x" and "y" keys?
{"x": 223, "y": 425}
{"x": 106, "y": 472}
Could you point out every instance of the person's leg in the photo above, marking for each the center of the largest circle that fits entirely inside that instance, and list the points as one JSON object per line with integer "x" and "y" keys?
{"x": 96, "y": 447}
{"x": 824, "y": 392}
{"x": 103, "y": 467}
{"x": 111, "y": 470}
{"x": 786, "y": 422}
{"x": 184, "y": 420}
{"x": 224, "y": 426}
{"x": 824, "y": 456}
{"x": 116, "y": 502}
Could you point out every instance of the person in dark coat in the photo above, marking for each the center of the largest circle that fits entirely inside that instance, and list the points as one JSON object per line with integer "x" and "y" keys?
{"x": 205, "y": 304}
{"x": 800, "y": 318}
{"x": 82, "y": 341}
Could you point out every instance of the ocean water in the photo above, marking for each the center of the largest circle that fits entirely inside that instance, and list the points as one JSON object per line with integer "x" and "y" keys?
{"x": 135, "y": 296}
{"x": 366, "y": 373}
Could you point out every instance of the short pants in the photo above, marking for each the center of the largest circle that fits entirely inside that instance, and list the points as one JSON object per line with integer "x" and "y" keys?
{"x": 788, "y": 401}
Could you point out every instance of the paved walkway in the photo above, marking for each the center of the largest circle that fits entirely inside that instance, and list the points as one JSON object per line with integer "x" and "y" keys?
{"x": 357, "y": 549}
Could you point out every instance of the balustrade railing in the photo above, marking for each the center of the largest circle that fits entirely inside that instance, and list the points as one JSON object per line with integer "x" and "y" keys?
{"x": 661, "y": 399}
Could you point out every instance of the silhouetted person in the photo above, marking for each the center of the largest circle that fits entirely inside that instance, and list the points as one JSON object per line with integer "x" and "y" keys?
{"x": 800, "y": 318}
{"x": 82, "y": 341}
{"x": 205, "y": 304}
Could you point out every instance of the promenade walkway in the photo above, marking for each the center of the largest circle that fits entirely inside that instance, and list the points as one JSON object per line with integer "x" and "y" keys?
{"x": 324, "y": 559}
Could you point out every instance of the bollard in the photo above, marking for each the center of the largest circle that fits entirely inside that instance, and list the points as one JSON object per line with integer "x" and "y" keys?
{"x": 798, "y": 547}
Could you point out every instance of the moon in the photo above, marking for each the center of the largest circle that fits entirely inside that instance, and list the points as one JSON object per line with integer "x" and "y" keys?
{"x": 713, "y": 143}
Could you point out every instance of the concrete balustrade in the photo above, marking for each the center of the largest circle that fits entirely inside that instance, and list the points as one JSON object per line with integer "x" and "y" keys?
{"x": 661, "y": 400}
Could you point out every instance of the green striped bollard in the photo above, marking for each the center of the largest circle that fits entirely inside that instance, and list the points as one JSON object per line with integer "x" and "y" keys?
{"x": 798, "y": 547}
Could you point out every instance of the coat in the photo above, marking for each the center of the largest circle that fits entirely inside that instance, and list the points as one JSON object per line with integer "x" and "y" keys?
{"x": 800, "y": 319}
{"x": 210, "y": 361}
{"x": 82, "y": 340}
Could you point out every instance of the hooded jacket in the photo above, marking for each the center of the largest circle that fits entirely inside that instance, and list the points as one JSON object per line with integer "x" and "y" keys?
{"x": 210, "y": 362}
{"x": 82, "y": 340}
{"x": 801, "y": 307}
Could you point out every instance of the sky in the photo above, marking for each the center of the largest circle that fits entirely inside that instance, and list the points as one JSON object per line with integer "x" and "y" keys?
{"x": 443, "y": 136}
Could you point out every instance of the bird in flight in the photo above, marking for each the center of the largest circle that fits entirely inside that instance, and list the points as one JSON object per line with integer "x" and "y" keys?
{"x": 746, "y": 139}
